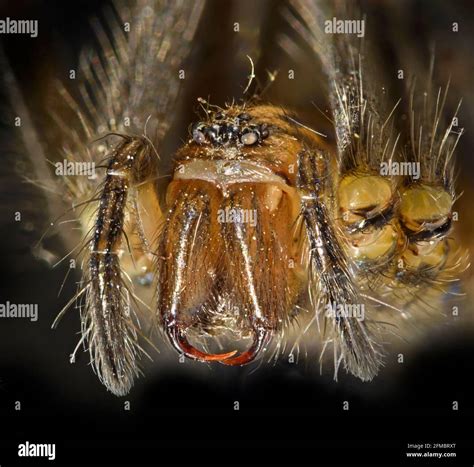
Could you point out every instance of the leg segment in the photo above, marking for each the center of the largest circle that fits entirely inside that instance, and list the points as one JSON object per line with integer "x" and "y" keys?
{"x": 109, "y": 325}
{"x": 331, "y": 285}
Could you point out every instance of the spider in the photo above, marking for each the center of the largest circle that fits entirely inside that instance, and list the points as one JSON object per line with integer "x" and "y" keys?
{"x": 262, "y": 215}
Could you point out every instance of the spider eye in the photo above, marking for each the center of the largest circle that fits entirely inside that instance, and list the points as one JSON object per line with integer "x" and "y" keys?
{"x": 244, "y": 117}
{"x": 211, "y": 134}
{"x": 249, "y": 138}
{"x": 198, "y": 135}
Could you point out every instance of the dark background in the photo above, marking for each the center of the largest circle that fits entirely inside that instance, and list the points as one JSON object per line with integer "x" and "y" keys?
{"x": 186, "y": 410}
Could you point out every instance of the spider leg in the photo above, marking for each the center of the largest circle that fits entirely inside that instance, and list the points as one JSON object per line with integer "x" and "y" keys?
{"x": 331, "y": 285}
{"x": 108, "y": 322}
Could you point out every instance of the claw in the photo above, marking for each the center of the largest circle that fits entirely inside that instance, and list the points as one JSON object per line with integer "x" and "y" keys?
{"x": 180, "y": 342}
{"x": 261, "y": 337}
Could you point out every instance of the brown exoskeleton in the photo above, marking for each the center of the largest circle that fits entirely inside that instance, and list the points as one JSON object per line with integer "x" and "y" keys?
{"x": 214, "y": 271}
{"x": 261, "y": 217}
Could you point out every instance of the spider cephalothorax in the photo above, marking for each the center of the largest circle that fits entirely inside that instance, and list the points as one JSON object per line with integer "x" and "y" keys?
{"x": 232, "y": 204}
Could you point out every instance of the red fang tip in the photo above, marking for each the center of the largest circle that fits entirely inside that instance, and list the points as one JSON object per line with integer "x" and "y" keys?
{"x": 181, "y": 343}
{"x": 261, "y": 337}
